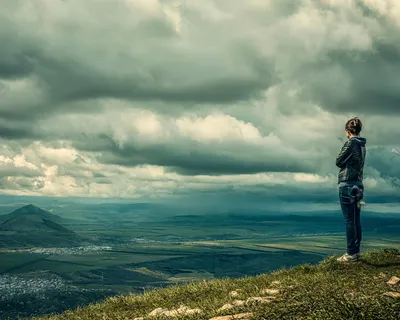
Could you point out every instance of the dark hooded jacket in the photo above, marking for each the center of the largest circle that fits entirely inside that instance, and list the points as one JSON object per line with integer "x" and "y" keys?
{"x": 351, "y": 160}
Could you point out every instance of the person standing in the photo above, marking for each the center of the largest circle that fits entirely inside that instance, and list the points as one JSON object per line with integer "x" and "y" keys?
{"x": 351, "y": 160}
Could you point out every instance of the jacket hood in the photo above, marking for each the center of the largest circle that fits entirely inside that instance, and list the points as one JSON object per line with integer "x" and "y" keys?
{"x": 360, "y": 140}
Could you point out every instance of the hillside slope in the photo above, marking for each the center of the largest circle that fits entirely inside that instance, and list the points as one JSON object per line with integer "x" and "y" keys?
{"x": 32, "y": 223}
{"x": 366, "y": 289}
{"x": 31, "y": 226}
{"x": 31, "y": 210}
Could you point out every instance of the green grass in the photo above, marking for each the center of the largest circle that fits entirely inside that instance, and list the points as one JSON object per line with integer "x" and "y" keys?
{"x": 13, "y": 260}
{"x": 105, "y": 259}
{"x": 328, "y": 291}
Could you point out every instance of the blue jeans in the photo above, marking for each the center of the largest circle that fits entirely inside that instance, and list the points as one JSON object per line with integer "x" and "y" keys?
{"x": 351, "y": 214}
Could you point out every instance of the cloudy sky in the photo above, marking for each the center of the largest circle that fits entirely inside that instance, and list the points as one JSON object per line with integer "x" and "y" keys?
{"x": 206, "y": 99}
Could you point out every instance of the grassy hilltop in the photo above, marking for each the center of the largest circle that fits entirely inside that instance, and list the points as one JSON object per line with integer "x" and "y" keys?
{"x": 366, "y": 289}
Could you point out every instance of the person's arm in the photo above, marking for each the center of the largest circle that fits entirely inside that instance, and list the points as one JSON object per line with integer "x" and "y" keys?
{"x": 344, "y": 154}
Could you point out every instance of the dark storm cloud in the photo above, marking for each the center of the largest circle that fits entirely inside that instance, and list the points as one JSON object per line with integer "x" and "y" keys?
{"x": 14, "y": 65}
{"x": 200, "y": 162}
{"x": 194, "y": 159}
{"x": 17, "y": 47}
{"x": 148, "y": 61}
{"x": 385, "y": 161}
{"x": 14, "y": 133}
{"x": 370, "y": 87}
{"x": 13, "y": 170}
{"x": 357, "y": 80}
{"x": 136, "y": 58}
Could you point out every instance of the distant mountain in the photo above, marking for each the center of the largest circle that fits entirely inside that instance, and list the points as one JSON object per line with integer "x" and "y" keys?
{"x": 29, "y": 211}
{"x": 33, "y": 226}
{"x": 32, "y": 223}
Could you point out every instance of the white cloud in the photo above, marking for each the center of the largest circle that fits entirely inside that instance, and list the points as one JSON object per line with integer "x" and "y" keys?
{"x": 388, "y": 8}
{"x": 219, "y": 127}
{"x": 57, "y": 155}
{"x": 19, "y": 161}
{"x": 312, "y": 178}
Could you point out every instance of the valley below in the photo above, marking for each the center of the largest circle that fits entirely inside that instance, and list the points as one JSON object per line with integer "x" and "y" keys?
{"x": 126, "y": 255}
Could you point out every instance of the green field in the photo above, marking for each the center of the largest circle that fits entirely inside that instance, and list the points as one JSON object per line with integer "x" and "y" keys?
{"x": 11, "y": 261}
{"x": 135, "y": 265}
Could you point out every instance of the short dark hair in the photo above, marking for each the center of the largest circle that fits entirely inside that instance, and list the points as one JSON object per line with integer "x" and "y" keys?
{"x": 354, "y": 126}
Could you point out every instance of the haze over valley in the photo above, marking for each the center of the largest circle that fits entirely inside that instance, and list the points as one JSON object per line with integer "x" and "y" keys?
{"x": 71, "y": 254}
